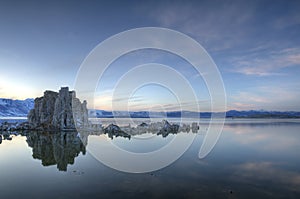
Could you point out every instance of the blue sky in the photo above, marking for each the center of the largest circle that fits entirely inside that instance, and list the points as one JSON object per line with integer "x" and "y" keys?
{"x": 255, "y": 44}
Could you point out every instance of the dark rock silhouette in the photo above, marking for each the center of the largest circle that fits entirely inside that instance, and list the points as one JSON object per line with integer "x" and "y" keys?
{"x": 163, "y": 128}
{"x": 114, "y": 130}
{"x": 59, "y": 111}
{"x": 168, "y": 128}
{"x": 55, "y": 149}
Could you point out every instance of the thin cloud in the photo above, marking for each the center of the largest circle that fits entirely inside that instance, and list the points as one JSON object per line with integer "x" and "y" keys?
{"x": 267, "y": 64}
{"x": 250, "y": 97}
{"x": 216, "y": 27}
{"x": 292, "y": 19}
{"x": 241, "y": 106}
{"x": 266, "y": 97}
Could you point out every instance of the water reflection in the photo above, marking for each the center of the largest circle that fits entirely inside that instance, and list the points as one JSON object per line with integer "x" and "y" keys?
{"x": 251, "y": 160}
{"x": 6, "y": 136}
{"x": 270, "y": 172}
{"x": 61, "y": 148}
{"x": 55, "y": 149}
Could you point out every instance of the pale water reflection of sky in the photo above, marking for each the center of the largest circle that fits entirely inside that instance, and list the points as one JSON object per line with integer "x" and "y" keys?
{"x": 254, "y": 160}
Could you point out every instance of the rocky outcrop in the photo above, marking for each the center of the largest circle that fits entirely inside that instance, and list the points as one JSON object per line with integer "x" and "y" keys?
{"x": 59, "y": 111}
{"x": 114, "y": 130}
{"x": 168, "y": 128}
{"x": 42, "y": 113}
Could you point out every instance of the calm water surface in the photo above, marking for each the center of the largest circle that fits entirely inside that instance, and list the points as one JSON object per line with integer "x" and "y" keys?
{"x": 252, "y": 159}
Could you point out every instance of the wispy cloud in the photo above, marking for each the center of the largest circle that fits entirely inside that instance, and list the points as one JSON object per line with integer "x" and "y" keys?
{"x": 243, "y": 96}
{"x": 246, "y": 100}
{"x": 268, "y": 63}
{"x": 292, "y": 19}
{"x": 266, "y": 97}
{"x": 241, "y": 106}
{"x": 216, "y": 27}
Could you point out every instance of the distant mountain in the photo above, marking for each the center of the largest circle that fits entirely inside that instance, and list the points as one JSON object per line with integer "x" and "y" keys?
{"x": 20, "y": 108}
{"x": 262, "y": 114}
{"x": 110, "y": 114}
{"x": 190, "y": 114}
{"x": 15, "y": 108}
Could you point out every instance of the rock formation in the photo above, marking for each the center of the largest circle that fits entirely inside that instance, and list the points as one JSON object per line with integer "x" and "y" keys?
{"x": 60, "y": 111}
{"x": 114, "y": 130}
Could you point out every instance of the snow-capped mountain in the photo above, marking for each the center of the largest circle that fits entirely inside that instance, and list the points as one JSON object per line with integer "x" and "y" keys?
{"x": 20, "y": 108}
{"x": 262, "y": 114}
{"x": 15, "y": 108}
{"x": 110, "y": 114}
{"x": 190, "y": 114}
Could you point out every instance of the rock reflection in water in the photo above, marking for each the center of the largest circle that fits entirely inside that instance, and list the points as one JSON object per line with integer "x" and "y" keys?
{"x": 61, "y": 148}
{"x": 55, "y": 149}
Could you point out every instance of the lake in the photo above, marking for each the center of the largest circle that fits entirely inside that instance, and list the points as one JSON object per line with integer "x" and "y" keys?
{"x": 254, "y": 158}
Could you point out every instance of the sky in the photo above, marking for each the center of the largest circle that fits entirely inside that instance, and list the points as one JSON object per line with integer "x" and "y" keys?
{"x": 255, "y": 45}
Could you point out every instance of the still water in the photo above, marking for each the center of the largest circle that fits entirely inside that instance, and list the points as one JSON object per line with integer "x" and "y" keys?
{"x": 252, "y": 159}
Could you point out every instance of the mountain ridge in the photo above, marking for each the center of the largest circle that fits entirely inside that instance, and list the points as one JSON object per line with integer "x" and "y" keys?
{"x": 21, "y": 108}
{"x": 15, "y": 108}
{"x": 191, "y": 114}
